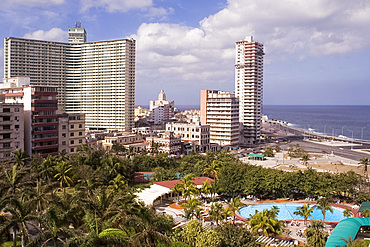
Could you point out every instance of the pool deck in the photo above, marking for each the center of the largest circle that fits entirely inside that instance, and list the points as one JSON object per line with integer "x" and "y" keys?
{"x": 293, "y": 230}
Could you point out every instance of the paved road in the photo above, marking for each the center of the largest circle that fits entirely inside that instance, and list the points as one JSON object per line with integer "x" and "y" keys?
{"x": 296, "y": 136}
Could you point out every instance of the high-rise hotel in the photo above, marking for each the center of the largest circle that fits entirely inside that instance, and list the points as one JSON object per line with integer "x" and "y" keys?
{"x": 95, "y": 78}
{"x": 248, "y": 88}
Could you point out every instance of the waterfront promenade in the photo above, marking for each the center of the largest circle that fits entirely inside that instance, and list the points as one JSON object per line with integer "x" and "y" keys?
{"x": 316, "y": 143}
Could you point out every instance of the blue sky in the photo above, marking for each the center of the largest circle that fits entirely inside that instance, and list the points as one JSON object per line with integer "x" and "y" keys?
{"x": 317, "y": 51}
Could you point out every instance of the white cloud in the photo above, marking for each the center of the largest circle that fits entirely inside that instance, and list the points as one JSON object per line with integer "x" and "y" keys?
{"x": 286, "y": 27}
{"x": 54, "y": 34}
{"x": 38, "y": 2}
{"x": 116, "y": 5}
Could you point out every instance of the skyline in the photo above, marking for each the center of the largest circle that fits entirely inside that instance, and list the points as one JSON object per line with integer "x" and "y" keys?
{"x": 317, "y": 57}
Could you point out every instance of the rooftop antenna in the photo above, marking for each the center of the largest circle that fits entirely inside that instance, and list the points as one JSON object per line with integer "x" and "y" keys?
{"x": 78, "y": 24}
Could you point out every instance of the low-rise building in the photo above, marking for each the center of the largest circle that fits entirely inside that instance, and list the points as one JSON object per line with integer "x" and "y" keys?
{"x": 195, "y": 134}
{"x": 127, "y": 140}
{"x": 165, "y": 143}
{"x": 11, "y": 129}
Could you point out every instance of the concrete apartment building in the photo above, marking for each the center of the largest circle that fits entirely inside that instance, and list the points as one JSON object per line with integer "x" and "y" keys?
{"x": 95, "y": 78}
{"x": 40, "y": 117}
{"x": 248, "y": 88}
{"x": 220, "y": 110}
{"x": 195, "y": 134}
{"x": 11, "y": 129}
{"x": 162, "y": 110}
{"x": 71, "y": 132}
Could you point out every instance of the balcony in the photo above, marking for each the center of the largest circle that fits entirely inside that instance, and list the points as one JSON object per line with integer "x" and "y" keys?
{"x": 38, "y": 148}
{"x": 45, "y": 139}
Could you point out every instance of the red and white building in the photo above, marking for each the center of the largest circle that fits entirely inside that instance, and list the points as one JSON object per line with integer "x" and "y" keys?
{"x": 248, "y": 88}
{"x": 40, "y": 105}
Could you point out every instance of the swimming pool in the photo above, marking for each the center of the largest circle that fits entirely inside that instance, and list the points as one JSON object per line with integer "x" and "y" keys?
{"x": 286, "y": 212}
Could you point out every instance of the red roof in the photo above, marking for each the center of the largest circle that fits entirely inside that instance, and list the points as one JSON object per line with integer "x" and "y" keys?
{"x": 171, "y": 184}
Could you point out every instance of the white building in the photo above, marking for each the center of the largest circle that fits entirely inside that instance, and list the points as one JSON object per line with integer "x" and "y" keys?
{"x": 162, "y": 110}
{"x": 220, "y": 110}
{"x": 192, "y": 133}
{"x": 167, "y": 143}
{"x": 248, "y": 88}
{"x": 96, "y": 78}
{"x": 77, "y": 34}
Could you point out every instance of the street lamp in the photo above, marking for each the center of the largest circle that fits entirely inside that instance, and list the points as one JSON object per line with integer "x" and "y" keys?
{"x": 352, "y": 140}
{"x": 362, "y": 133}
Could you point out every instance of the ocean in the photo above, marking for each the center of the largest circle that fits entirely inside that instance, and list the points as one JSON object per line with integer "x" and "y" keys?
{"x": 349, "y": 121}
{"x": 318, "y": 118}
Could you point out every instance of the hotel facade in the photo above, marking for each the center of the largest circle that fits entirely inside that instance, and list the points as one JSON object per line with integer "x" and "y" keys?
{"x": 95, "y": 78}
{"x": 248, "y": 88}
{"x": 220, "y": 110}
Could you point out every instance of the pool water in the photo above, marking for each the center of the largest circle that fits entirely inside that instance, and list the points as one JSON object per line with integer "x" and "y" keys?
{"x": 286, "y": 212}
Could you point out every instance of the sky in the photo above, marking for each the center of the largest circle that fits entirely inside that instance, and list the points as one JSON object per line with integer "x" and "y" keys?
{"x": 317, "y": 52}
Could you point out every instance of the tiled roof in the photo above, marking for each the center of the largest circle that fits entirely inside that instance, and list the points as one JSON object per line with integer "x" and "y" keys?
{"x": 171, "y": 184}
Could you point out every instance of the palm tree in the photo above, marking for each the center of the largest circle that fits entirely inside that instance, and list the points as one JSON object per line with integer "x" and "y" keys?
{"x": 212, "y": 170}
{"x": 352, "y": 243}
{"x": 347, "y": 213}
{"x": 177, "y": 189}
{"x": 365, "y": 162}
{"x": 324, "y": 204}
{"x": 216, "y": 213}
{"x": 46, "y": 169}
{"x": 316, "y": 236}
{"x": 234, "y": 205}
{"x": 14, "y": 180}
{"x": 20, "y": 158}
{"x": 19, "y": 217}
{"x": 63, "y": 175}
{"x": 190, "y": 207}
{"x": 366, "y": 213}
{"x": 305, "y": 158}
{"x": 266, "y": 222}
{"x": 53, "y": 229}
{"x": 150, "y": 228}
{"x": 304, "y": 211}
{"x": 206, "y": 187}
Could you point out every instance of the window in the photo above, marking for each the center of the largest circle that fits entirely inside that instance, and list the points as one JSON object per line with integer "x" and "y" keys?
{"x": 80, "y": 133}
{"x": 64, "y": 135}
{"x": 64, "y": 143}
{"x": 72, "y": 142}
{"x": 6, "y": 118}
{"x": 16, "y": 118}
{"x": 6, "y": 110}
{"x": 72, "y": 126}
{"x": 80, "y": 141}
{"x": 16, "y": 109}
{"x": 64, "y": 127}
{"x": 6, "y": 127}
{"x": 72, "y": 134}
{"x": 16, "y": 126}
{"x": 6, "y": 145}
{"x": 80, "y": 126}
{"x": 6, "y": 136}
{"x": 72, "y": 150}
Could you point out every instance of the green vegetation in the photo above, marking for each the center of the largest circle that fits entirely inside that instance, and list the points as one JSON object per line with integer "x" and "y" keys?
{"x": 87, "y": 199}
